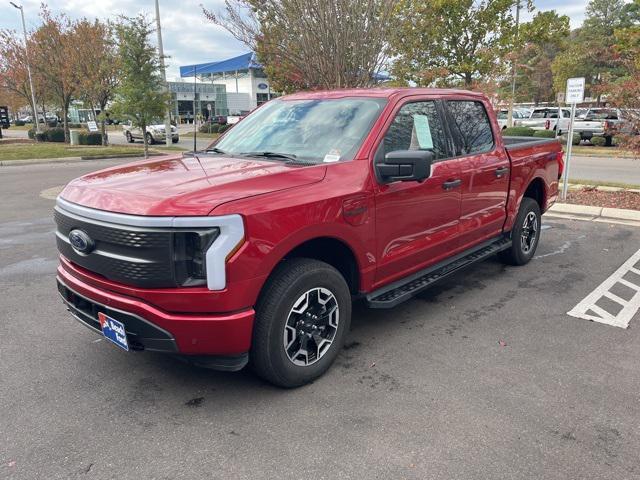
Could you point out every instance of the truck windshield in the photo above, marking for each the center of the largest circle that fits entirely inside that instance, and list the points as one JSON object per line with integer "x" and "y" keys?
{"x": 309, "y": 131}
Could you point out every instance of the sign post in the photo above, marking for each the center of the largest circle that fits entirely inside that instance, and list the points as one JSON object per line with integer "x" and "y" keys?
{"x": 575, "y": 94}
{"x": 209, "y": 117}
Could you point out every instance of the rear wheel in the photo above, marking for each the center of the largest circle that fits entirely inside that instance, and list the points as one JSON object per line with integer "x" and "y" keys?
{"x": 129, "y": 137}
{"x": 302, "y": 318}
{"x": 525, "y": 234}
{"x": 150, "y": 140}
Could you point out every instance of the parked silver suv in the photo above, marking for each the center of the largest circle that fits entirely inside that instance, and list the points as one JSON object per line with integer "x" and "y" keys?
{"x": 155, "y": 133}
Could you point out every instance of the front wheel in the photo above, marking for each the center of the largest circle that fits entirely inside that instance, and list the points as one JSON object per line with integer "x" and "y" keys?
{"x": 150, "y": 140}
{"x": 129, "y": 137}
{"x": 525, "y": 234}
{"x": 302, "y": 318}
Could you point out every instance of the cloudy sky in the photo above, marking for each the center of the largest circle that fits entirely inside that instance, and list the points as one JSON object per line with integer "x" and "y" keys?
{"x": 188, "y": 38}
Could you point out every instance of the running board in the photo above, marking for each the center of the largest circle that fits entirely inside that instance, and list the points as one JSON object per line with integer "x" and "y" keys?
{"x": 401, "y": 290}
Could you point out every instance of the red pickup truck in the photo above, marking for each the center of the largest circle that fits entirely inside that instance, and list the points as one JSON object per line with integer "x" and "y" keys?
{"x": 253, "y": 250}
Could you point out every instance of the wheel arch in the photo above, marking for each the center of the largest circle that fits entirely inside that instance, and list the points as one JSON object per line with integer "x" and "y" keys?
{"x": 331, "y": 250}
{"x": 537, "y": 190}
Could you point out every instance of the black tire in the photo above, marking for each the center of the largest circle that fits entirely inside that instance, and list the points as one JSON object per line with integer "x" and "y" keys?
{"x": 291, "y": 281}
{"x": 175, "y": 140}
{"x": 150, "y": 140}
{"x": 129, "y": 137}
{"x": 608, "y": 141}
{"x": 521, "y": 252}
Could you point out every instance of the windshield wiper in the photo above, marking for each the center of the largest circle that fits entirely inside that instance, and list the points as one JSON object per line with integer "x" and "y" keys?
{"x": 215, "y": 150}
{"x": 287, "y": 156}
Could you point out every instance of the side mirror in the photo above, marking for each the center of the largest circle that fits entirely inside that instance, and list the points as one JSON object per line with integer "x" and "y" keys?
{"x": 405, "y": 166}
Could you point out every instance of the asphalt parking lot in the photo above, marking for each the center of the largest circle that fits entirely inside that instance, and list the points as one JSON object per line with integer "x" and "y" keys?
{"x": 485, "y": 376}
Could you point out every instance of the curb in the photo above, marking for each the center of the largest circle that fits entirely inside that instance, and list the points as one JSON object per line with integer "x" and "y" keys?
{"x": 595, "y": 214}
{"x": 41, "y": 161}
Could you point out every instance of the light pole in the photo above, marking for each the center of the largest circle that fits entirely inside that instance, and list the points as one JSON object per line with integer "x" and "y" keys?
{"x": 26, "y": 50}
{"x": 513, "y": 71}
{"x": 167, "y": 116}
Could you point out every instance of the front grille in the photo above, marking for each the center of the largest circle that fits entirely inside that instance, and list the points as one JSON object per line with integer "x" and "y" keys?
{"x": 135, "y": 256}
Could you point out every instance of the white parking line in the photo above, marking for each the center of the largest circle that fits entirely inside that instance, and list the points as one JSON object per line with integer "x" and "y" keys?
{"x": 592, "y": 307}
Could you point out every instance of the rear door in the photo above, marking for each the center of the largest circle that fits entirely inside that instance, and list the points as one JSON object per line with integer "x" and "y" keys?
{"x": 485, "y": 171}
{"x": 417, "y": 222}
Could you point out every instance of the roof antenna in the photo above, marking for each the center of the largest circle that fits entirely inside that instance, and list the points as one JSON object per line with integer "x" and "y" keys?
{"x": 195, "y": 128}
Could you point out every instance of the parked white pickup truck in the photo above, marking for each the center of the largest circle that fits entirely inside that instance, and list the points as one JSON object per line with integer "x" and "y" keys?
{"x": 546, "y": 118}
{"x": 604, "y": 122}
{"x": 503, "y": 116}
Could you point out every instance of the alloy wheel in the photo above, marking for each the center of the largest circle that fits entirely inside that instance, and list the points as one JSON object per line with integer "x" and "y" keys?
{"x": 529, "y": 232}
{"x": 311, "y": 326}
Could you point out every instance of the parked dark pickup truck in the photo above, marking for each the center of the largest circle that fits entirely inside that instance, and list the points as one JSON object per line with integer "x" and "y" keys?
{"x": 253, "y": 250}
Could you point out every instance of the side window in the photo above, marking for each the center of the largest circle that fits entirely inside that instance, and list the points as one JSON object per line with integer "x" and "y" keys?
{"x": 566, "y": 113}
{"x": 473, "y": 126}
{"x": 417, "y": 126}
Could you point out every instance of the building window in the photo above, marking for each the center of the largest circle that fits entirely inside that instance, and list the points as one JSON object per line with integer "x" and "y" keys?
{"x": 262, "y": 98}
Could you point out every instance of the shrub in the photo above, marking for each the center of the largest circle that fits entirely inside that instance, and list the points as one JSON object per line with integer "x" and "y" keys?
{"x": 518, "y": 132}
{"x": 576, "y": 139}
{"x": 224, "y": 128}
{"x": 55, "y": 134}
{"x": 204, "y": 128}
{"x": 31, "y": 133}
{"x": 615, "y": 141}
{"x": 90, "y": 138}
{"x": 41, "y": 137}
{"x": 598, "y": 141}
{"x": 545, "y": 133}
{"x": 19, "y": 123}
{"x": 74, "y": 125}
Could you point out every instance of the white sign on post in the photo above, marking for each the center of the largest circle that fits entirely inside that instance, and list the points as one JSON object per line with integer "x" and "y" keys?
{"x": 575, "y": 90}
{"x": 575, "y": 94}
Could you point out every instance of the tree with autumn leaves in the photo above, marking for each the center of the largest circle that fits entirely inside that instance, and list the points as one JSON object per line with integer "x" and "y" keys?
{"x": 624, "y": 90}
{"x": 313, "y": 43}
{"x": 70, "y": 60}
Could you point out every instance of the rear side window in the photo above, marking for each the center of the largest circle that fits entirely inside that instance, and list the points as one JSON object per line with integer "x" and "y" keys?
{"x": 417, "y": 126}
{"x": 472, "y": 123}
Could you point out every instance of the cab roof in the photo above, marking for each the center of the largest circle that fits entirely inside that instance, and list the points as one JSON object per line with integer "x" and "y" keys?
{"x": 380, "y": 93}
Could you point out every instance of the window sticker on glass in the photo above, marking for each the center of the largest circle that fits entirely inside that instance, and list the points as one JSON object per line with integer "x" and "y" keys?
{"x": 422, "y": 131}
{"x": 332, "y": 156}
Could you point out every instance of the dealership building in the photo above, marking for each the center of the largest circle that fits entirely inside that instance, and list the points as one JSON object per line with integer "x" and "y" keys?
{"x": 228, "y": 87}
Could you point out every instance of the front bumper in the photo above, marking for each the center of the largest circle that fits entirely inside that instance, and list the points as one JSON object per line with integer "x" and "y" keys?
{"x": 213, "y": 340}
{"x": 160, "y": 136}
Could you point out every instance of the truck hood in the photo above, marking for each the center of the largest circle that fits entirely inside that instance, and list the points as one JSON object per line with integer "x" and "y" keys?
{"x": 185, "y": 185}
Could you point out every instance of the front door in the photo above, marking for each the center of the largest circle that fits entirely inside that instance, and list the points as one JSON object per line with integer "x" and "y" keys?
{"x": 485, "y": 172}
{"x": 417, "y": 222}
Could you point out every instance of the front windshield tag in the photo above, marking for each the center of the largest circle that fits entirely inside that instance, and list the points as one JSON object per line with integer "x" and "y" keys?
{"x": 332, "y": 156}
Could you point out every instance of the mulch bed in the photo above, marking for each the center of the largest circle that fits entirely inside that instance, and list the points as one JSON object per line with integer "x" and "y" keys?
{"x": 10, "y": 140}
{"x": 626, "y": 200}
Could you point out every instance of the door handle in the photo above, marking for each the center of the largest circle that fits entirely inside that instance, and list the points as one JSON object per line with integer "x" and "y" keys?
{"x": 448, "y": 185}
{"x": 501, "y": 171}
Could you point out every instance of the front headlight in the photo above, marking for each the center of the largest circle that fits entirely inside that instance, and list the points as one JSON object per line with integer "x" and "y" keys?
{"x": 189, "y": 255}
{"x": 202, "y": 247}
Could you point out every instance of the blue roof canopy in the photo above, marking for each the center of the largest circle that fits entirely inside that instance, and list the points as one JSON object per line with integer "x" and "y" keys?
{"x": 241, "y": 62}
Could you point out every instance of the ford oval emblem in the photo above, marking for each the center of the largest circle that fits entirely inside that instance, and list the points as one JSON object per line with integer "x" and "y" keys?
{"x": 263, "y": 86}
{"x": 80, "y": 241}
